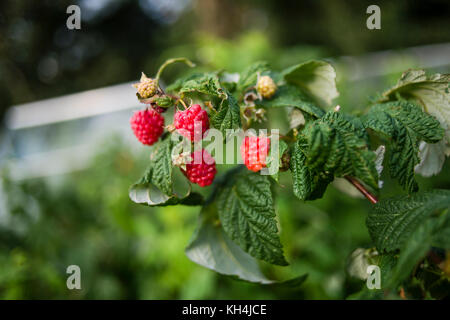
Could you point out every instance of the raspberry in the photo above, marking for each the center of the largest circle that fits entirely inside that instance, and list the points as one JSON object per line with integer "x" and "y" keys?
{"x": 266, "y": 87}
{"x": 254, "y": 151}
{"x": 184, "y": 122}
{"x": 201, "y": 173}
{"x": 147, "y": 125}
{"x": 146, "y": 87}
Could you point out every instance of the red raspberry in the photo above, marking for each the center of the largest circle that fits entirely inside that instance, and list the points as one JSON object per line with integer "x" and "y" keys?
{"x": 147, "y": 125}
{"x": 184, "y": 122}
{"x": 254, "y": 151}
{"x": 202, "y": 168}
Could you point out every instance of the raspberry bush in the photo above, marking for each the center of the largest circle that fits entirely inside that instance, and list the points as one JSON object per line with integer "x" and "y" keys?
{"x": 238, "y": 224}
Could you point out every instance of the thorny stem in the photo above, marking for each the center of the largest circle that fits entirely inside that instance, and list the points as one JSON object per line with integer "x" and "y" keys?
{"x": 362, "y": 189}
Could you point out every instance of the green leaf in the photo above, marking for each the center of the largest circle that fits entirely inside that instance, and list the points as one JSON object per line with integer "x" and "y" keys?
{"x": 178, "y": 84}
{"x": 159, "y": 172}
{"x": 207, "y": 83}
{"x": 210, "y": 247}
{"x": 393, "y": 221}
{"x": 149, "y": 194}
{"x": 316, "y": 78}
{"x": 429, "y": 233}
{"x": 249, "y": 76}
{"x": 156, "y": 187}
{"x": 228, "y": 116}
{"x": 405, "y": 124}
{"x": 291, "y": 96}
{"x": 414, "y": 250}
{"x": 247, "y": 214}
{"x": 337, "y": 145}
{"x": 307, "y": 184}
{"x": 432, "y": 92}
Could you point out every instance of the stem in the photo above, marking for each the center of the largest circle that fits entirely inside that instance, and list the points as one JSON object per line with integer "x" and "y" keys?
{"x": 362, "y": 189}
{"x": 170, "y": 61}
{"x": 180, "y": 100}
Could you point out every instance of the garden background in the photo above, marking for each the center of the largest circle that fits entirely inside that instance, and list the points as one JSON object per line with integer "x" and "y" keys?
{"x": 68, "y": 157}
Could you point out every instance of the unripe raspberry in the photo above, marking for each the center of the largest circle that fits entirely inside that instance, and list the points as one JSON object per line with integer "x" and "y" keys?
{"x": 147, "y": 125}
{"x": 266, "y": 87}
{"x": 192, "y": 122}
{"x": 254, "y": 152}
{"x": 201, "y": 169}
{"x": 146, "y": 87}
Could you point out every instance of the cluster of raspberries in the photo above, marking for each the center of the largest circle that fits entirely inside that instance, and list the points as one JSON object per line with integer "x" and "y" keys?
{"x": 148, "y": 126}
{"x": 192, "y": 123}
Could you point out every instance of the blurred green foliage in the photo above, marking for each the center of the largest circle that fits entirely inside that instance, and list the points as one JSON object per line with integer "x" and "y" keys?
{"x": 130, "y": 251}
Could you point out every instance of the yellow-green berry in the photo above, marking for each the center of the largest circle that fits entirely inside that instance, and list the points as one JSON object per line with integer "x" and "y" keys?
{"x": 147, "y": 88}
{"x": 266, "y": 87}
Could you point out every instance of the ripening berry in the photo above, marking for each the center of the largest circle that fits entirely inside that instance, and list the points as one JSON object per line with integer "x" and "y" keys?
{"x": 203, "y": 172}
{"x": 147, "y": 88}
{"x": 192, "y": 122}
{"x": 254, "y": 152}
{"x": 147, "y": 125}
{"x": 266, "y": 87}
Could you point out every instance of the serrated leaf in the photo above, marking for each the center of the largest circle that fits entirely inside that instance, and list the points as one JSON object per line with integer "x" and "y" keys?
{"x": 207, "y": 83}
{"x": 337, "y": 145}
{"x": 307, "y": 184}
{"x": 411, "y": 253}
{"x": 228, "y": 116}
{"x": 210, "y": 247}
{"x": 291, "y": 96}
{"x": 156, "y": 187}
{"x": 316, "y": 78}
{"x": 177, "y": 85}
{"x": 159, "y": 171}
{"x": 393, "y": 221}
{"x": 247, "y": 215}
{"x": 405, "y": 124}
{"x": 431, "y": 92}
{"x": 249, "y": 76}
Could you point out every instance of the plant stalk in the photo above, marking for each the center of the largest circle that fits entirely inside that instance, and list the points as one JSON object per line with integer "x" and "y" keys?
{"x": 362, "y": 189}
